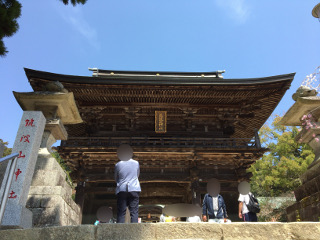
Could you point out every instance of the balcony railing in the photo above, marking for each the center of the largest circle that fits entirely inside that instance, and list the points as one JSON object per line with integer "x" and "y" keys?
{"x": 159, "y": 142}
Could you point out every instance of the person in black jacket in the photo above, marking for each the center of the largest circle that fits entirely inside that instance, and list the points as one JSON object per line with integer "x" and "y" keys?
{"x": 213, "y": 206}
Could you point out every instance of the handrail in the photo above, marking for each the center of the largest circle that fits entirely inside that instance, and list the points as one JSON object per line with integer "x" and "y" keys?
{"x": 12, "y": 158}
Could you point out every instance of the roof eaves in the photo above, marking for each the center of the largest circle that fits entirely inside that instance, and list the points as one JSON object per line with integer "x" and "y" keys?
{"x": 154, "y": 80}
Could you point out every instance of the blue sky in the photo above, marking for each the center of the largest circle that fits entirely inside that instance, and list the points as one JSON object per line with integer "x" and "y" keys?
{"x": 247, "y": 38}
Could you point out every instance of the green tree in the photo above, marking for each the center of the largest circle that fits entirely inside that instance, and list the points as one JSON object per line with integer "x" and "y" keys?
{"x": 10, "y": 11}
{"x": 7, "y": 151}
{"x": 279, "y": 169}
{"x": 74, "y": 2}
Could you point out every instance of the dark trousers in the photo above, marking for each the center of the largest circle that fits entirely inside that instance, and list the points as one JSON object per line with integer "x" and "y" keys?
{"x": 131, "y": 200}
{"x": 250, "y": 217}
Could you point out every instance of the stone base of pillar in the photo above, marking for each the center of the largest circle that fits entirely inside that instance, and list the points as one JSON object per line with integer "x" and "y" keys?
{"x": 307, "y": 195}
{"x": 16, "y": 221}
{"x": 50, "y": 197}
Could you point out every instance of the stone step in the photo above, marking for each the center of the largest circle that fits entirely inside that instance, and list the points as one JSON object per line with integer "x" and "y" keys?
{"x": 171, "y": 231}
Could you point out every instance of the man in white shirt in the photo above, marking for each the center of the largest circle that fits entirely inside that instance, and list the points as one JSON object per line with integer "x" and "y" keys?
{"x": 244, "y": 212}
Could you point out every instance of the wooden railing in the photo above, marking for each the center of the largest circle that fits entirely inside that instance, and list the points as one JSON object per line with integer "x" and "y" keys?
{"x": 177, "y": 142}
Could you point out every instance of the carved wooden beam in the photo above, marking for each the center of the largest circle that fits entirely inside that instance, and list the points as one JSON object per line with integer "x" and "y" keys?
{"x": 173, "y": 177}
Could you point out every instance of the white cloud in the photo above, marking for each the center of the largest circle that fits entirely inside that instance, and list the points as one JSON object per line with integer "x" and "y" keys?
{"x": 238, "y": 10}
{"x": 75, "y": 18}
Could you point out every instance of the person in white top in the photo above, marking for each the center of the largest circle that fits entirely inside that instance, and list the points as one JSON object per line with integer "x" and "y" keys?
{"x": 244, "y": 212}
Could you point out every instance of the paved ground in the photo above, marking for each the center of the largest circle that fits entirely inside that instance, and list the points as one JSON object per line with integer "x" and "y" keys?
{"x": 150, "y": 231}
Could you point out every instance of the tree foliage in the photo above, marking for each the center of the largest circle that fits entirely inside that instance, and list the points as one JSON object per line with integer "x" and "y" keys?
{"x": 10, "y": 11}
{"x": 7, "y": 151}
{"x": 279, "y": 169}
{"x": 74, "y": 2}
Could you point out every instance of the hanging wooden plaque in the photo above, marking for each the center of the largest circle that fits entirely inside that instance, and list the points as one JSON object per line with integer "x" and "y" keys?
{"x": 160, "y": 121}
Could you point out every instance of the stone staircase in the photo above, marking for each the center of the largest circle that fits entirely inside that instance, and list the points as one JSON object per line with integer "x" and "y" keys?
{"x": 171, "y": 231}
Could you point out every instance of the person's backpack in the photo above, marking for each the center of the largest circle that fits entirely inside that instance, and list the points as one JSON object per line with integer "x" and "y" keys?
{"x": 253, "y": 205}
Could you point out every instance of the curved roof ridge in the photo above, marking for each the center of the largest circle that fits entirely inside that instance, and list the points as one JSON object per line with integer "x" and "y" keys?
{"x": 102, "y": 72}
{"x": 154, "y": 79}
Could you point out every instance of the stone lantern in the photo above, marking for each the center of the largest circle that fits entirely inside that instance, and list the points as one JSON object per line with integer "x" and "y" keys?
{"x": 305, "y": 112}
{"x": 49, "y": 196}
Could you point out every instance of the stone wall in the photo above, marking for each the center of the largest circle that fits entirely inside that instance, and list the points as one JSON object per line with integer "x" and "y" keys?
{"x": 50, "y": 196}
{"x": 307, "y": 207}
{"x": 155, "y": 231}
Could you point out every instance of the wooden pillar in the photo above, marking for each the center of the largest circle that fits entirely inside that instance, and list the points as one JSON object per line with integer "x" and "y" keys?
{"x": 196, "y": 196}
{"x": 257, "y": 138}
{"x": 79, "y": 198}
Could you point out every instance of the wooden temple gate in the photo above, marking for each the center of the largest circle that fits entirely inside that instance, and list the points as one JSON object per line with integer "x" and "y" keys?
{"x": 184, "y": 128}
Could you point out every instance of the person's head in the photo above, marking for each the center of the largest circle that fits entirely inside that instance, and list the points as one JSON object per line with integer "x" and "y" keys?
{"x": 124, "y": 152}
{"x": 213, "y": 187}
{"x": 244, "y": 188}
{"x": 104, "y": 214}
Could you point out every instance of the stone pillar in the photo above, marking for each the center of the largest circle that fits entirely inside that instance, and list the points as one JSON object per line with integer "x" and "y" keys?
{"x": 27, "y": 145}
{"x": 50, "y": 195}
